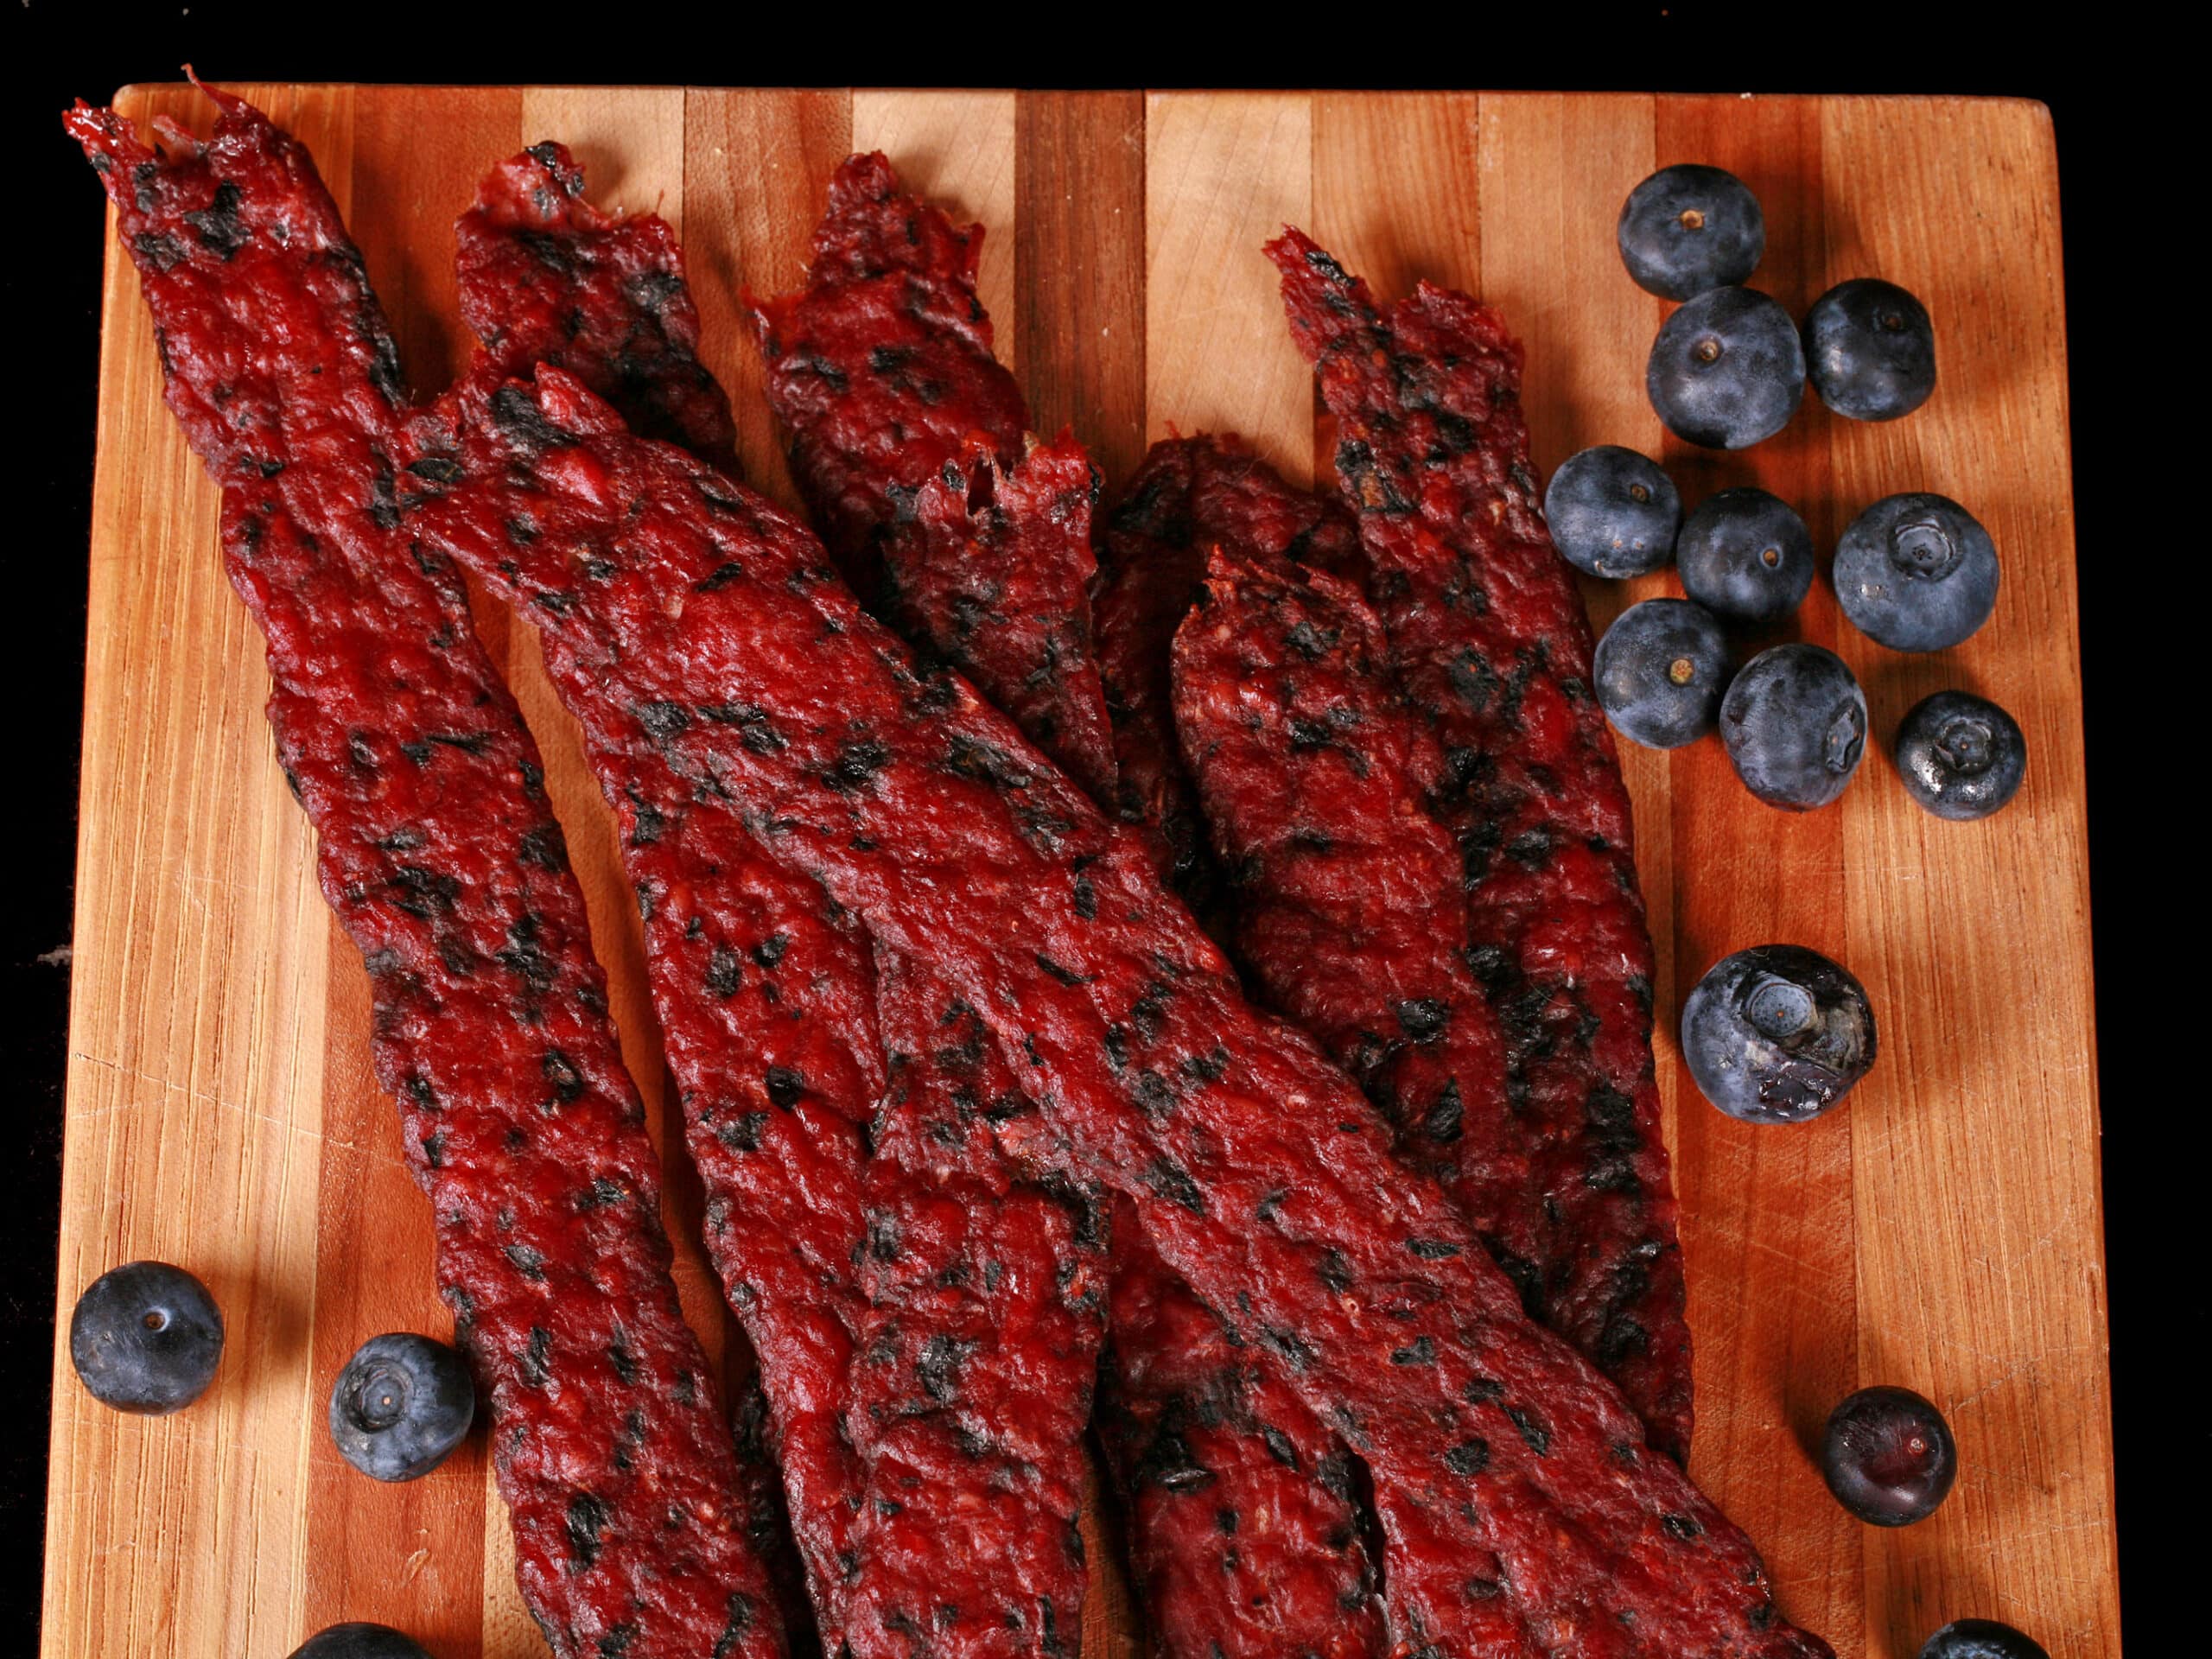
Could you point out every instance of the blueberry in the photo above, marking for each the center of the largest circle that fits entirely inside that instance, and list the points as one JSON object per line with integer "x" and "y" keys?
{"x": 1661, "y": 670}
{"x": 1870, "y": 350}
{"x": 1689, "y": 228}
{"x": 146, "y": 1337}
{"x": 360, "y": 1642}
{"x": 1960, "y": 756}
{"x": 1777, "y": 1034}
{"x": 1888, "y": 1456}
{"x": 1795, "y": 725}
{"x": 1612, "y": 512}
{"x": 1746, "y": 555}
{"x": 1980, "y": 1638}
{"x": 1916, "y": 572}
{"x": 400, "y": 1406}
{"x": 1726, "y": 370}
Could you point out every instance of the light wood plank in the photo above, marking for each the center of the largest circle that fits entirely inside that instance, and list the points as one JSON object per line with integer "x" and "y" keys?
{"x": 756, "y": 166}
{"x": 1981, "y": 1274}
{"x": 955, "y": 149}
{"x": 1224, "y": 173}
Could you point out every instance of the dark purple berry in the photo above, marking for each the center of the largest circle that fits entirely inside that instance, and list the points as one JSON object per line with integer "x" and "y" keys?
{"x": 400, "y": 1406}
{"x": 1687, "y": 228}
{"x": 1888, "y": 1456}
{"x": 146, "y": 1337}
{"x": 1980, "y": 1638}
{"x": 1660, "y": 671}
{"x": 1960, "y": 756}
{"x": 1727, "y": 370}
{"x": 1746, "y": 555}
{"x": 1777, "y": 1034}
{"x": 1794, "y": 723}
{"x": 1916, "y": 572}
{"x": 360, "y": 1642}
{"x": 1612, "y": 512}
{"x": 1870, "y": 350}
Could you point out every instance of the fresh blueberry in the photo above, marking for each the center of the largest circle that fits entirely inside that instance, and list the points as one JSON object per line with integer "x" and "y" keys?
{"x": 1726, "y": 370}
{"x": 146, "y": 1337}
{"x": 400, "y": 1406}
{"x": 1870, "y": 350}
{"x": 1777, "y": 1034}
{"x": 1661, "y": 670}
{"x": 1916, "y": 572}
{"x": 1689, "y": 228}
{"x": 360, "y": 1642}
{"x": 1746, "y": 555}
{"x": 1612, "y": 512}
{"x": 1888, "y": 1457}
{"x": 1961, "y": 756}
{"x": 1795, "y": 725}
{"x": 1980, "y": 1638}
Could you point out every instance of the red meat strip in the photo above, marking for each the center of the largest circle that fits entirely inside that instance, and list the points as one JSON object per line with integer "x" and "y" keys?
{"x": 1522, "y": 1510}
{"x": 1190, "y": 495}
{"x": 1489, "y": 641}
{"x": 910, "y": 441}
{"x": 989, "y": 566}
{"x": 1244, "y": 1525}
{"x": 440, "y": 858}
{"x": 765, "y": 991}
{"x": 1349, "y": 903}
{"x": 546, "y": 277}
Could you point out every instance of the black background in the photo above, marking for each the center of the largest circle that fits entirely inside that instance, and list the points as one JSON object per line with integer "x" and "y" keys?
{"x": 2129, "y": 537}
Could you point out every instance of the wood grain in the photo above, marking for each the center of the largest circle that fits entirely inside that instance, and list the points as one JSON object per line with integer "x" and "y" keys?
{"x": 1942, "y": 1231}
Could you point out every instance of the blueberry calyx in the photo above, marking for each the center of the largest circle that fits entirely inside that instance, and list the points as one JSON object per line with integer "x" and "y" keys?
{"x": 1962, "y": 757}
{"x": 400, "y": 1406}
{"x": 1777, "y": 1034}
{"x": 1916, "y": 572}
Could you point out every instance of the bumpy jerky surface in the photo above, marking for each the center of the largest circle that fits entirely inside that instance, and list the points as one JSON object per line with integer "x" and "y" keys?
{"x": 986, "y": 1309}
{"x": 1522, "y": 1508}
{"x": 1489, "y": 642}
{"x": 910, "y": 441}
{"x": 765, "y": 991}
{"x": 986, "y": 1306}
{"x": 1242, "y": 1509}
{"x": 441, "y": 857}
{"x": 1190, "y": 495}
{"x": 1243, "y": 1524}
{"x": 546, "y": 277}
{"x": 1348, "y": 906}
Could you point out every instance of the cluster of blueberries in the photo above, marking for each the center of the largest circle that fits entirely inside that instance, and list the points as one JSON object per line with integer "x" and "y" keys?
{"x": 147, "y": 1338}
{"x": 1914, "y": 572}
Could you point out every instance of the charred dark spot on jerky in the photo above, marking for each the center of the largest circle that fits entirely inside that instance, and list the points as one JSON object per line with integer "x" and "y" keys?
{"x": 937, "y": 1370}
{"x": 1171, "y": 1181}
{"x": 1423, "y": 1018}
{"x": 218, "y": 227}
{"x": 1289, "y": 1346}
{"x": 857, "y": 763}
{"x": 561, "y": 1072}
{"x": 724, "y": 974}
{"x": 742, "y": 1133}
{"x": 519, "y": 420}
{"x": 1422, "y": 1350}
{"x": 1469, "y": 1457}
{"x": 1280, "y": 1446}
{"x": 770, "y": 951}
{"x": 529, "y": 1263}
{"x": 1335, "y": 1272}
{"x": 1064, "y": 975}
{"x": 1532, "y": 1431}
{"x": 1443, "y": 1119}
{"x": 586, "y": 1514}
{"x": 421, "y": 892}
{"x": 1432, "y": 1250}
{"x": 755, "y": 730}
{"x": 1208, "y": 1067}
{"x": 434, "y": 1151}
{"x": 785, "y": 1086}
{"x": 719, "y": 578}
{"x": 537, "y": 1356}
{"x": 159, "y": 249}
{"x": 1153, "y": 1095}
{"x": 663, "y": 722}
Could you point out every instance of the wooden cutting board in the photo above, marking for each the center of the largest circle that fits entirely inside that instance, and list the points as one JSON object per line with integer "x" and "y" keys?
{"x": 1943, "y": 1231}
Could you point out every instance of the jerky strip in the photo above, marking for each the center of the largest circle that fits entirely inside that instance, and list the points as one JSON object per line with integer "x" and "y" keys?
{"x": 440, "y": 858}
{"x": 910, "y": 442}
{"x": 1189, "y": 494}
{"x": 765, "y": 991}
{"x": 1348, "y": 891}
{"x": 1242, "y": 1509}
{"x": 1489, "y": 641}
{"x": 546, "y": 277}
{"x": 1521, "y": 1506}
{"x": 1244, "y": 1527}
{"x": 991, "y": 567}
